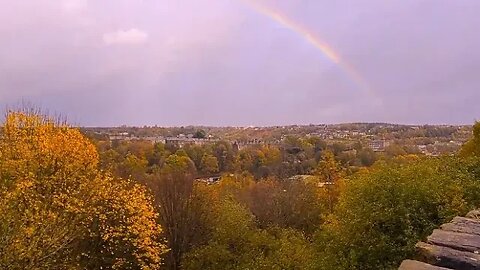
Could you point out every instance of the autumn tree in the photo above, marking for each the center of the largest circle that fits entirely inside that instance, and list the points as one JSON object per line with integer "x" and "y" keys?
{"x": 367, "y": 157}
{"x": 225, "y": 155}
{"x": 183, "y": 210}
{"x": 288, "y": 204}
{"x": 132, "y": 167}
{"x": 58, "y": 211}
{"x": 245, "y": 160}
{"x": 196, "y": 153}
{"x": 472, "y": 147}
{"x": 179, "y": 163}
{"x": 330, "y": 178}
{"x": 236, "y": 243}
{"x": 394, "y": 150}
{"x": 209, "y": 164}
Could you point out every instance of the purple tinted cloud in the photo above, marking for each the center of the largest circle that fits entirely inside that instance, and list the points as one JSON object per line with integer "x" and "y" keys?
{"x": 222, "y": 63}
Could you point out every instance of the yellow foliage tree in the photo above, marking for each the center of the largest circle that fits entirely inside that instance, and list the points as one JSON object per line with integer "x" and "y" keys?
{"x": 57, "y": 211}
{"x": 331, "y": 178}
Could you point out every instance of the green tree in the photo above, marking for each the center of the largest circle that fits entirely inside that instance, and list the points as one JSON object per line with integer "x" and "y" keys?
{"x": 223, "y": 151}
{"x": 196, "y": 153}
{"x": 159, "y": 155}
{"x": 384, "y": 211}
{"x": 394, "y": 150}
{"x": 200, "y": 134}
{"x": 289, "y": 204}
{"x": 367, "y": 157}
{"x": 209, "y": 164}
{"x": 132, "y": 167}
{"x": 237, "y": 244}
{"x": 179, "y": 164}
{"x": 472, "y": 147}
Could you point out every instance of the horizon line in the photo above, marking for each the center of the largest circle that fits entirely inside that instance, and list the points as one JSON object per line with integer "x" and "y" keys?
{"x": 277, "y": 126}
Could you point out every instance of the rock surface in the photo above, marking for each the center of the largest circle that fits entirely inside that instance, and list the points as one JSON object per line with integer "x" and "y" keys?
{"x": 455, "y": 246}
{"x": 409, "y": 265}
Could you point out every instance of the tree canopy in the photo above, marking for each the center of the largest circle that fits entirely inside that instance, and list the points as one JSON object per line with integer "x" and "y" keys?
{"x": 57, "y": 210}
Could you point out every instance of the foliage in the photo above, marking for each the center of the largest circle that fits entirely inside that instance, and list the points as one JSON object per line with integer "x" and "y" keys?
{"x": 472, "y": 147}
{"x": 200, "y": 134}
{"x": 122, "y": 229}
{"x": 237, "y": 244}
{"x": 58, "y": 211}
{"x": 183, "y": 210}
{"x": 331, "y": 179}
{"x": 209, "y": 164}
{"x": 179, "y": 163}
{"x": 383, "y": 212}
{"x": 65, "y": 206}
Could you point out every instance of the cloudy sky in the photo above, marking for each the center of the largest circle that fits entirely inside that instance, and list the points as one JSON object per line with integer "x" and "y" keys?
{"x": 224, "y": 62}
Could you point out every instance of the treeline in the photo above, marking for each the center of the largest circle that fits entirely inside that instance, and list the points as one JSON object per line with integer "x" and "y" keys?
{"x": 380, "y": 130}
{"x": 68, "y": 203}
{"x": 294, "y": 156}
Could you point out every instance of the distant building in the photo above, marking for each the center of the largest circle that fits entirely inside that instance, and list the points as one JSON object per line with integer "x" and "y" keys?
{"x": 422, "y": 148}
{"x": 182, "y": 141}
{"x": 209, "y": 180}
{"x": 325, "y": 184}
{"x": 154, "y": 139}
{"x": 242, "y": 144}
{"x": 302, "y": 177}
{"x": 378, "y": 145}
{"x": 126, "y": 137}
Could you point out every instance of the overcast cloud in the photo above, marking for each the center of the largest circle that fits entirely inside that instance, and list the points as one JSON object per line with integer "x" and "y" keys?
{"x": 219, "y": 62}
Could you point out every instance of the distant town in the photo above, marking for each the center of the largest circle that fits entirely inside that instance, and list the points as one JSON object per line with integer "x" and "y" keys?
{"x": 431, "y": 140}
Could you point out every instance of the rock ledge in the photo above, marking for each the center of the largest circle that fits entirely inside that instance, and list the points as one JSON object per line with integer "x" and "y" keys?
{"x": 456, "y": 245}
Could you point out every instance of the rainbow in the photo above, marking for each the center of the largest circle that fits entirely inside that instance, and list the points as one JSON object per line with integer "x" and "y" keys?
{"x": 318, "y": 43}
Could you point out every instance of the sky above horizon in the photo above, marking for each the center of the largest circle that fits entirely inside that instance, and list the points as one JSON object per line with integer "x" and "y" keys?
{"x": 242, "y": 62}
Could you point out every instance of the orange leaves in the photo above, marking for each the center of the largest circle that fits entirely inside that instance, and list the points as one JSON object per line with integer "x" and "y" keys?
{"x": 58, "y": 211}
{"x": 125, "y": 219}
{"x": 35, "y": 144}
